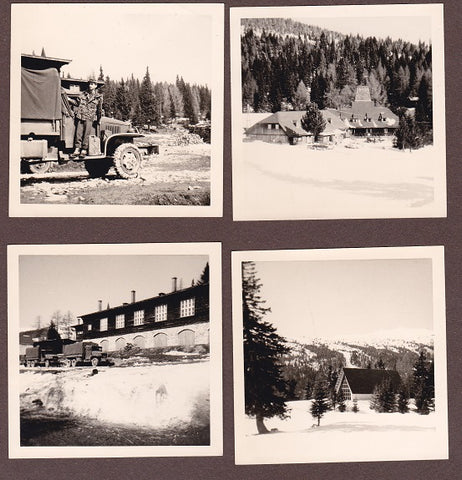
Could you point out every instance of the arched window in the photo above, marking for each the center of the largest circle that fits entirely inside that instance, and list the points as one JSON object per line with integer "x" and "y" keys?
{"x": 120, "y": 343}
{"x": 104, "y": 345}
{"x": 139, "y": 341}
{"x": 186, "y": 338}
{"x": 160, "y": 340}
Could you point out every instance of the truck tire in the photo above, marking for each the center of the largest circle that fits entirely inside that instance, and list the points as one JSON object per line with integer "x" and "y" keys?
{"x": 67, "y": 363}
{"x": 41, "y": 167}
{"x": 127, "y": 160}
{"x": 73, "y": 363}
{"x": 47, "y": 363}
{"x": 97, "y": 168}
{"x": 94, "y": 361}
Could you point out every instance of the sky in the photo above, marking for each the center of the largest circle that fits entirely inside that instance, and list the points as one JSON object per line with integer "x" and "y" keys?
{"x": 411, "y": 29}
{"x": 334, "y": 299}
{"x": 121, "y": 38}
{"x": 75, "y": 283}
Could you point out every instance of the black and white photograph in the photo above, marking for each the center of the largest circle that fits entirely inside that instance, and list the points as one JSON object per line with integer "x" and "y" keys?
{"x": 338, "y": 112}
{"x": 115, "y": 350}
{"x": 116, "y": 109}
{"x": 340, "y": 355}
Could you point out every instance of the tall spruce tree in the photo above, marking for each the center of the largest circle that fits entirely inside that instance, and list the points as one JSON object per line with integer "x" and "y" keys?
{"x": 265, "y": 388}
{"x": 423, "y": 385}
{"x": 320, "y": 403}
{"x": 403, "y": 401}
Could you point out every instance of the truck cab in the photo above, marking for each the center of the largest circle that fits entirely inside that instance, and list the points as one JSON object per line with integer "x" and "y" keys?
{"x": 48, "y": 125}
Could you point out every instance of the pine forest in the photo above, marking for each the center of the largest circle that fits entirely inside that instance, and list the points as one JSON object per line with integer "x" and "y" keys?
{"x": 283, "y": 59}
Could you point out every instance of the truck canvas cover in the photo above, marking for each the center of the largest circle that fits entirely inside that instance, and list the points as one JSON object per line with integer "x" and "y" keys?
{"x": 40, "y": 94}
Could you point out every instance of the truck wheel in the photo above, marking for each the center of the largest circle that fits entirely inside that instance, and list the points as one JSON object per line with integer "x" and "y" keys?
{"x": 47, "y": 363}
{"x": 127, "y": 160}
{"x": 73, "y": 363}
{"x": 67, "y": 363}
{"x": 94, "y": 362}
{"x": 41, "y": 167}
{"x": 97, "y": 168}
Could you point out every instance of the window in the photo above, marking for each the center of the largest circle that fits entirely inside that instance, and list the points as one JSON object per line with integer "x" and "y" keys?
{"x": 103, "y": 324}
{"x": 160, "y": 313}
{"x": 269, "y": 126}
{"x": 187, "y": 307}
{"x": 346, "y": 390}
{"x": 90, "y": 327}
{"x": 120, "y": 321}
{"x": 138, "y": 318}
{"x": 186, "y": 338}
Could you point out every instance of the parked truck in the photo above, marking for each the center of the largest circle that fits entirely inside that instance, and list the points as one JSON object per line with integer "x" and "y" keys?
{"x": 57, "y": 353}
{"x": 45, "y": 353}
{"x": 83, "y": 353}
{"x": 48, "y": 127}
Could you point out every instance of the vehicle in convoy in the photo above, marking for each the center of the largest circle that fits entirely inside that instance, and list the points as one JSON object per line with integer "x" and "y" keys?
{"x": 57, "y": 353}
{"x": 44, "y": 353}
{"x": 84, "y": 353}
{"x": 48, "y": 125}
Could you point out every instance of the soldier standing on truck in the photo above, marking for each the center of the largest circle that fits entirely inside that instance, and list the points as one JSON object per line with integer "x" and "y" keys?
{"x": 88, "y": 115}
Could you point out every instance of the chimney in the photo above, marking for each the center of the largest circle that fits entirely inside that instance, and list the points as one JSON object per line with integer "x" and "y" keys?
{"x": 174, "y": 279}
{"x": 100, "y": 305}
{"x": 133, "y": 296}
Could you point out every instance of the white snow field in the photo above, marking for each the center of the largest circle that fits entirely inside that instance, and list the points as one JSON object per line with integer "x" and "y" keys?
{"x": 122, "y": 395}
{"x": 371, "y": 180}
{"x": 342, "y": 437}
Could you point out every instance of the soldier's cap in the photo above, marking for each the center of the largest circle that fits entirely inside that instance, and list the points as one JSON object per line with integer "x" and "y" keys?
{"x": 93, "y": 80}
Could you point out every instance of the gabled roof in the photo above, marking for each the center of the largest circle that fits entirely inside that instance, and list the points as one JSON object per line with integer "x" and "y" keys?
{"x": 364, "y": 380}
{"x": 290, "y": 121}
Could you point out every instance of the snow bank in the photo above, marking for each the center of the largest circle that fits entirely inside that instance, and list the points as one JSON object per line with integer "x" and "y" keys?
{"x": 373, "y": 180}
{"x": 363, "y": 436}
{"x": 124, "y": 395}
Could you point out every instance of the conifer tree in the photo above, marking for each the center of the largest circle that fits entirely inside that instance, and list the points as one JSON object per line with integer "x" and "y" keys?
{"x": 423, "y": 385}
{"x": 265, "y": 388}
{"x": 403, "y": 401}
{"x": 320, "y": 403}
{"x": 147, "y": 104}
{"x": 204, "y": 278}
{"x": 341, "y": 401}
{"x": 313, "y": 120}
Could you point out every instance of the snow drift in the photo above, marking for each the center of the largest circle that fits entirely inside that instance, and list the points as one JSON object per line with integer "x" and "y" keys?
{"x": 150, "y": 396}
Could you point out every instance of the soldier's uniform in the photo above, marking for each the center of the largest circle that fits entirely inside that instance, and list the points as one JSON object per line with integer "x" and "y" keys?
{"x": 89, "y": 110}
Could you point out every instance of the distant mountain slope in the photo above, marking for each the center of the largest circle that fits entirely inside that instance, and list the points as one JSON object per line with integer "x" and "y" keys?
{"x": 306, "y": 358}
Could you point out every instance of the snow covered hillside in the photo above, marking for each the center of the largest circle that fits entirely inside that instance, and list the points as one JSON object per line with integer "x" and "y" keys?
{"x": 369, "y": 181}
{"x": 122, "y": 395}
{"x": 362, "y": 436}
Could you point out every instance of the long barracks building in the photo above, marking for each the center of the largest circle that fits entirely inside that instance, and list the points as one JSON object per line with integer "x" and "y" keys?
{"x": 178, "y": 318}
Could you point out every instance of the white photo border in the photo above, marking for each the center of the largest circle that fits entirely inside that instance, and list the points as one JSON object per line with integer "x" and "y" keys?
{"x": 436, "y": 254}
{"x": 213, "y": 250}
{"x": 434, "y": 11}
{"x": 215, "y": 209}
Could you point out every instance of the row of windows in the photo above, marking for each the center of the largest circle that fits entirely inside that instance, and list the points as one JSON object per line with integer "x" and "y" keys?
{"x": 187, "y": 309}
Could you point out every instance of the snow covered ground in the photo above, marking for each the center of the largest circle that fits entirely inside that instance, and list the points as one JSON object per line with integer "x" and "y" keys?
{"x": 374, "y": 180}
{"x": 122, "y": 395}
{"x": 342, "y": 437}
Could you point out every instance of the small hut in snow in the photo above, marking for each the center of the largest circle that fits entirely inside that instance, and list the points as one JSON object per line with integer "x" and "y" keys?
{"x": 359, "y": 383}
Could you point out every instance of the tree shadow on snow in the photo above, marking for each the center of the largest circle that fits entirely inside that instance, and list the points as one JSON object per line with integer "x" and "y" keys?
{"x": 420, "y": 194}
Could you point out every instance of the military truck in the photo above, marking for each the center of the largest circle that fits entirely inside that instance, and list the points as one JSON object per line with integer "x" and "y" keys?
{"x": 48, "y": 126}
{"x": 84, "y": 353}
{"x": 44, "y": 353}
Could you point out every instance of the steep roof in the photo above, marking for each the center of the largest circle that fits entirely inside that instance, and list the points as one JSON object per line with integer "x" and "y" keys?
{"x": 364, "y": 380}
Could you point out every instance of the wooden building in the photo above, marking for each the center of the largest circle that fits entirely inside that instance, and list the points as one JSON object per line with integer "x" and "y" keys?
{"x": 285, "y": 127}
{"x": 365, "y": 117}
{"x": 178, "y": 318}
{"x": 359, "y": 383}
